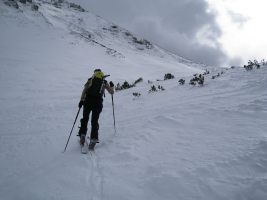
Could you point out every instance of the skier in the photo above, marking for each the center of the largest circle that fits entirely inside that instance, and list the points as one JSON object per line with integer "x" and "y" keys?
{"x": 92, "y": 101}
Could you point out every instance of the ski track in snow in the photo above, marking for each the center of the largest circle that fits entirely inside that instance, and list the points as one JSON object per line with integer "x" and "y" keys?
{"x": 96, "y": 178}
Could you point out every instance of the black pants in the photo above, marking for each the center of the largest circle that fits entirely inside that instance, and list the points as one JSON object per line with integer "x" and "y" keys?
{"x": 94, "y": 106}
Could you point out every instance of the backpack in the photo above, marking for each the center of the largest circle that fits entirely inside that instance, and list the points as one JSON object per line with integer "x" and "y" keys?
{"x": 96, "y": 85}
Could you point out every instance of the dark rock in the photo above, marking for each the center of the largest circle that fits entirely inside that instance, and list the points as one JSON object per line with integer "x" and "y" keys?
{"x": 198, "y": 79}
{"x": 35, "y": 7}
{"x": 153, "y": 89}
{"x": 136, "y": 94}
{"x": 57, "y": 4}
{"x": 138, "y": 80}
{"x": 168, "y": 76}
{"x": 128, "y": 34}
{"x": 160, "y": 87}
{"x": 77, "y": 7}
{"x": 12, "y": 3}
{"x": 206, "y": 72}
{"x": 22, "y": 1}
{"x": 181, "y": 81}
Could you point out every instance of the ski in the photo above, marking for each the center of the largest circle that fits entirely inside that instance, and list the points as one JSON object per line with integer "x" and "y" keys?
{"x": 84, "y": 149}
{"x": 87, "y": 146}
{"x": 91, "y": 146}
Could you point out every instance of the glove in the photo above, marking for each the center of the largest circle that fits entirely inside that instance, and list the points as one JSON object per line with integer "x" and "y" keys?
{"x": 105, "y": 82}
{"x": 80, "y": 104}
{"x": 111, "y": 84}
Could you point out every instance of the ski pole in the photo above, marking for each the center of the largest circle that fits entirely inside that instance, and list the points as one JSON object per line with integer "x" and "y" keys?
{"x": 72, "y": 129}
{"x": 113, "y": 114}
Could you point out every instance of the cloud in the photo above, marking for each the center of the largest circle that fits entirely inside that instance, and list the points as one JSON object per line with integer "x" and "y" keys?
{"x": 179, "y": 42}
{"x": 186, "y": 27}
{"x": 238, "y": 18}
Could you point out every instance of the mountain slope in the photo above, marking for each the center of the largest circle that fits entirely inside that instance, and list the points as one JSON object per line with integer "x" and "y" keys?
{"x": 88, "y": 38}
{"x": 187, "y": 142}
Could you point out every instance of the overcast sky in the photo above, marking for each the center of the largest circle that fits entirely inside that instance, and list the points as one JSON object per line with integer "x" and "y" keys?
{"x": 215, "y": 32}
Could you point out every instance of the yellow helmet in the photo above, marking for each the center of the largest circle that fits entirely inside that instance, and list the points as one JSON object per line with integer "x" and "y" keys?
{"x": 99, "y": 74}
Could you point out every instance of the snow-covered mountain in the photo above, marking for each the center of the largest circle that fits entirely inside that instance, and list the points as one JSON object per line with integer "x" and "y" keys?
{"x": 186, "y": 142}
{"x": 66, "y": 31}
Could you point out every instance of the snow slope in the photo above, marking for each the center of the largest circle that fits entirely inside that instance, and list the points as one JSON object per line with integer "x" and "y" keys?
{"x": 186, "y": 142}
{"x": 94, "y": 42}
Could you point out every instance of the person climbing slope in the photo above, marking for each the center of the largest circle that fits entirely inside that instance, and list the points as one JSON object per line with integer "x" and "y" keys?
{"x": 92, "y": 101}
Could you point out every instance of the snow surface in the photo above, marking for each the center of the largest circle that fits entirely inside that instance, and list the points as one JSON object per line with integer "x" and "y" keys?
{"x": 187, "y": 142}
